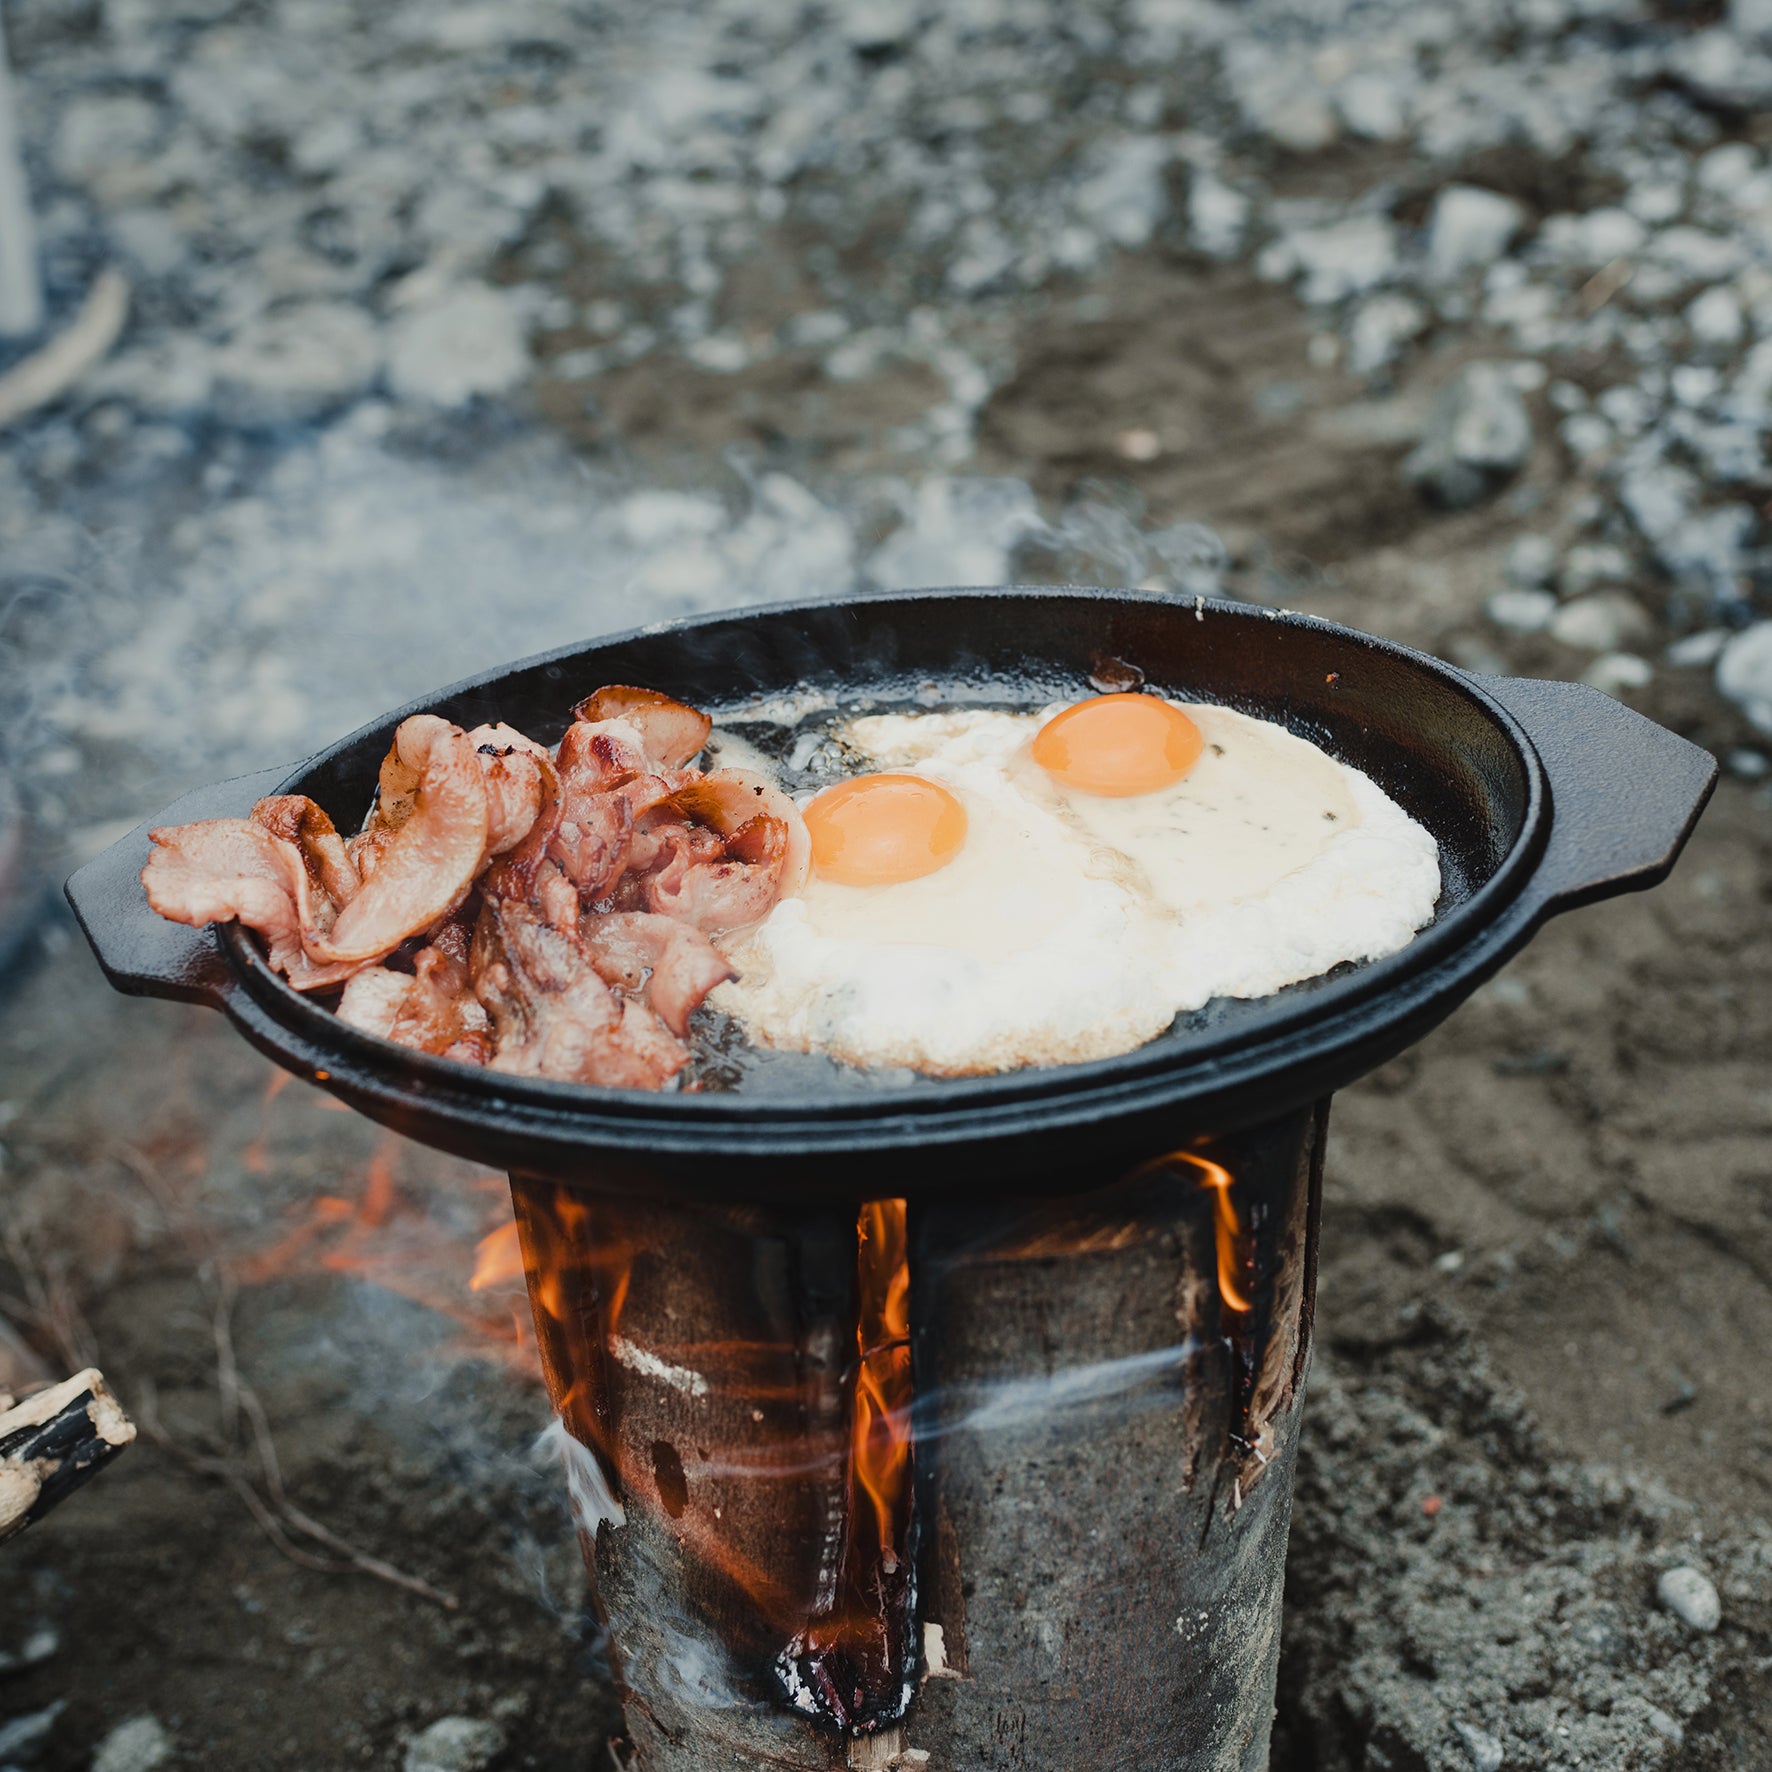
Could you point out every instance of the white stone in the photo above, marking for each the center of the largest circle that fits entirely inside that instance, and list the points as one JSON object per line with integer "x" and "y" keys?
{"x": 1607, "y": 621}
{"x": 296, "y": 363}
{"x": 454, "y": 1744}
{"x": 1521, "y": 611}
{"x": 1383, "y": 325}
{"x": 1345, "y": 258}
{"x": 1532, "y": 560}
{"x": 1374, "y": 106}
{"x": 1615, "y": 672}
{"x": 1217, "y": 216}
{"x": 1590, "y": 564}
{"x": 1469, "y": 228}
{"x": 467, "y": 343}
{"x": 1485, "y": 1752}
{"x": 1752, "y": 18}
{"x": 1697, "y": 650}
{"x": 1744, "y": 675}
{"x": 140, "y": 1745}
{"x": 1125, "y": 194}
{"x": 1593, "y": 239}
{"x": 1478, "y": 436}
{"x": 1716, "y": 319}
{"x": 1696, "y": 255}
{"x": 1686, "y": 1592}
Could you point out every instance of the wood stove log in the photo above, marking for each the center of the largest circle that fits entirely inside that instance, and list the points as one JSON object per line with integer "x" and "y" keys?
{"x": 1085, "y": 1453}
{"x": 52, "y": 1442}
{"x": 705, "y": 1357}
{"x": 1106, "y": 1395}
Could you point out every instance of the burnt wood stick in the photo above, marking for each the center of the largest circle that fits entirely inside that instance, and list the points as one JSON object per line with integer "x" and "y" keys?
{"x": 50, "y": 1443}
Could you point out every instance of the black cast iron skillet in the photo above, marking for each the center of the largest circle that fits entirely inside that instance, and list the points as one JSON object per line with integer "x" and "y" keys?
{"x": 1542, "y": 796}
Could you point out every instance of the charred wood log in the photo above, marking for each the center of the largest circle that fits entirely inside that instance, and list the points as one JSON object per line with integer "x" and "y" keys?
{"x": 52, "y": 1442}
{"x": 1108, "y": 1412}
{"x": 702, "y": 1361}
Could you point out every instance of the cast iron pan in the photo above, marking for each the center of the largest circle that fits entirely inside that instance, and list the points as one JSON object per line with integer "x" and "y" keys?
{"x": 1542, "y": 796}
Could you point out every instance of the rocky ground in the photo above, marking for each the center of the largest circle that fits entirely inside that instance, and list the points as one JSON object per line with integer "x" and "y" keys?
{"x": 459, "y": 331}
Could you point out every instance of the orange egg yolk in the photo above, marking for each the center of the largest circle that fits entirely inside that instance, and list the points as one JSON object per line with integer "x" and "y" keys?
{"x": 1118, "y": 745}
{"x": 876, "y": 830}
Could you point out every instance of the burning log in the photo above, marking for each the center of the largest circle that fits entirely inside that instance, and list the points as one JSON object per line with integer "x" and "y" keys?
{"x": 50, "y": 1443}
{"x": 1105, "y": 1444}
{"x": 926, "y": 1476}
{"x": 704, "y": 1362}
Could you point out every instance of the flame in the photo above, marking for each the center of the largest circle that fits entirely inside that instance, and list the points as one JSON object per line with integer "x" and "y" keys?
{"x": 497, "y": 1258}
{"x": 402, "y": 1232}
{"x": 880, "y": 1450}
{"x": 1228, "y": 1232}
{"x": 1233, "y": 1253}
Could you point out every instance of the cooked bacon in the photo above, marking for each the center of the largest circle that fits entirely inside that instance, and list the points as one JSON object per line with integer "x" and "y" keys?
{"x": 730, "y": 801}
{"x": 515, "y": 792}
{"x": 296, "y": 819}
{"x": 374, "y": 998}
{"x": 671, "y": 731}
{"x": 515, "y": 872}
{"x": 227, "y": 868}
{"x": 432, "y": 1009}
{"x": 728, "y": 869}
{"x": 502, "y": 738}
{"x": 672, "y": 966}
{"x": 554, "y": 1016}
{"x": 592, "y": 843}
{"x": 564, "y": 901}
{"x": 435, "y": 854}
{"x": 557, "y": 899}
{"x": 595, "y": 758}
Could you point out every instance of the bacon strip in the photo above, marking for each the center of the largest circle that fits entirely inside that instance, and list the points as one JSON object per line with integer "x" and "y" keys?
{"x": 437, "y": 851}
{"x": 671, "y": 966}
{"x": 223, "y": 869}
{"x": 671, "y": 731}
{"x": 296, "y": 819}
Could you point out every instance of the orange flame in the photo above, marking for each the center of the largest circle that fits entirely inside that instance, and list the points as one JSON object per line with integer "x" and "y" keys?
{"x": 1229, "y": 1233}
{"x": 1227, "y": 1226}
{"x": 497, "y": 1259}
{"x": 880, "y": 1450}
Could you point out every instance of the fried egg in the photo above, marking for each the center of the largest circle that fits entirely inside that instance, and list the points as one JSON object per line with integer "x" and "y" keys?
{"x": 999, "y": 889}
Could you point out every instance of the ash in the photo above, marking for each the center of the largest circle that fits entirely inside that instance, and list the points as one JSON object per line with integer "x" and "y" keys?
{"x": 459, "y": 331}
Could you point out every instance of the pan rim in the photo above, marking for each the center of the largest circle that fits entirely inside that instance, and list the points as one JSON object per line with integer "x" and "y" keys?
{"x": 1065, "y": 1090}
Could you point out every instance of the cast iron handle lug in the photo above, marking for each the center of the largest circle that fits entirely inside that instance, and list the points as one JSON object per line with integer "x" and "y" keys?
{"x": 1625, "y": 792}
{"x": 142, "y": 954}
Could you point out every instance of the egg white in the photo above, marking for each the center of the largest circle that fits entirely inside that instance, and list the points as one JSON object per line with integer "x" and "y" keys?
{"x": 1074, "y": 926}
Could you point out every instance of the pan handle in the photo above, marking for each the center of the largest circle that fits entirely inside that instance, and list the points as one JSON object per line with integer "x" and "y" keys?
{"x": 1625, "y": 792}
{"x": 142, "y": 954}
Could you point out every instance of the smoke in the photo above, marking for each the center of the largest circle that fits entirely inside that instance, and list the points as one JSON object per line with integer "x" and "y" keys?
{"x": 593, "y": 1501}
{"x": 298, "y": 597}
{"x": 1074, "y": 1396}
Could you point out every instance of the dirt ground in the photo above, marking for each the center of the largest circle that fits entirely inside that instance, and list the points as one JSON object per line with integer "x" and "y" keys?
{"x": 1546, "y": 1291}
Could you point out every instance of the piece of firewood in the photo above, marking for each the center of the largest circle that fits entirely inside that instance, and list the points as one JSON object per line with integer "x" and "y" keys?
{"x": 51, "y": 1442}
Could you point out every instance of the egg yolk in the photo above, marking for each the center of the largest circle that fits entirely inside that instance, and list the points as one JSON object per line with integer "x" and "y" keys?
{"x": 1118, "y": 745}
{"x": 875, "y": 830}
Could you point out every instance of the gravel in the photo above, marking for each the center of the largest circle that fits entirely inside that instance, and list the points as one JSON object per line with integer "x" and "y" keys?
{"x": 1478, "y": 437}
{"x": 140, "y": 1745}
{"x": 454, "y": 1744}
{"x": 1744, "y": 673}
{"x": 1691, "y": 1596}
